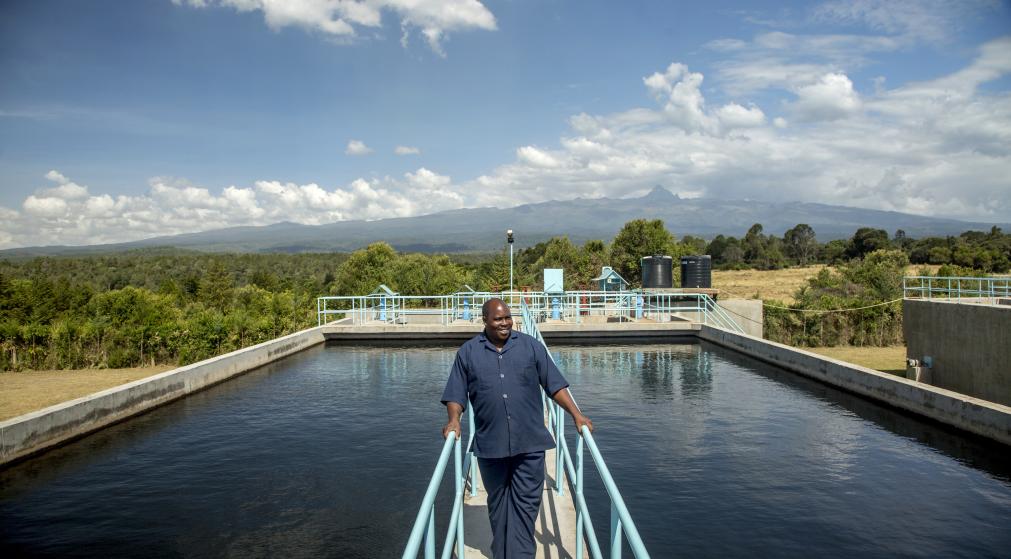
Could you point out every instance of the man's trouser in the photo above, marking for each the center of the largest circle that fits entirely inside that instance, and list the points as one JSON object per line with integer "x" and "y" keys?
{"x": 514, "y": 487}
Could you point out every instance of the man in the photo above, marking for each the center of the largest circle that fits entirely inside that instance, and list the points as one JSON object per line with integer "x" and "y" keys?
{"x": 502, "y": 372}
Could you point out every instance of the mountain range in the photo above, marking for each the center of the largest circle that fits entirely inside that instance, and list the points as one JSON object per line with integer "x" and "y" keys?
{"x": 483, "y": 229}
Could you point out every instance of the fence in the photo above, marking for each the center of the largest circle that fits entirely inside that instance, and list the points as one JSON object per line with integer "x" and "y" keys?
{"x": 569, "y": 306}
{"x": 960, "y": 289}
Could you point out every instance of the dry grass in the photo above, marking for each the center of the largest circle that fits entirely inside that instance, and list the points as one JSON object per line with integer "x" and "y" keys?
{"x": 776, "y": 284}
{"x": 763, "y": 284}
{"x": 27, "y": 391}
{"x": 890, "y": 359}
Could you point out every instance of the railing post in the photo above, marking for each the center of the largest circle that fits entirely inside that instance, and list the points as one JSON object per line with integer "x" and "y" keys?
{"x": 559, "y": 441}
{"x": 458, "y": 463}
{"x": 579, "y": 491}
{"x": 473, "y": 459}
{"x": 615, "y": 532}
{"x": 430, "y": 535}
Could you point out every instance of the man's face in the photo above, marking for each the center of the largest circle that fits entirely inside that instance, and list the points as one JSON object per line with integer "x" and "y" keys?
{"x": 498, "y": 323}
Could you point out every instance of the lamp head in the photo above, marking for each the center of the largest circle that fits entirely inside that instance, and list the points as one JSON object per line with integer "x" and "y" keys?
{"x": 509, "y": 235}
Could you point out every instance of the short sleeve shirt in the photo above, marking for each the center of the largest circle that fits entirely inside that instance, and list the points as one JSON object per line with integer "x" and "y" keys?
{"x": 504, "y": 388}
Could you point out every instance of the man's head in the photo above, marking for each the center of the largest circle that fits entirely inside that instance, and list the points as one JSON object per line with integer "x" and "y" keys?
{"x": 498, "y": 320}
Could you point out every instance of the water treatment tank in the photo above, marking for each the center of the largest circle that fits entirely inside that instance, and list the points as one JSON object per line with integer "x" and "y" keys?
{"x": 697, "y": 271}
{"x": 657, "y": 272}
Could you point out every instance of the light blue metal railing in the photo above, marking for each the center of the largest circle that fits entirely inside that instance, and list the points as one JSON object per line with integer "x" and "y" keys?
{"x": 568, "y": 306}
{"x": 464, "y": 472}
{"x": 962, "y": 289}
{"x": 621, "y": 520}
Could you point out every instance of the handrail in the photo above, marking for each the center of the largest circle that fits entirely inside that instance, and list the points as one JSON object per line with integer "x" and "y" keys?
{"x": 567, "y": 306}
{"x": 621, "y": 520}
{"x": 423, "y": 530}
{"x": 424, "y": 524}
{"x": 956, "y": 288}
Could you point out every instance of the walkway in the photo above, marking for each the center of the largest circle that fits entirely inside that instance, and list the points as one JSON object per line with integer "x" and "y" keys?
{"x": 558, "y": 516}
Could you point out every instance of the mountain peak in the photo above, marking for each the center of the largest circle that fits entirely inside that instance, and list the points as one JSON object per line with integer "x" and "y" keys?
{"x": 661, "y": 194}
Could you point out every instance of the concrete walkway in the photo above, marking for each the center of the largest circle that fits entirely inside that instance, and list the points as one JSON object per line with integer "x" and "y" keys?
{"x": 555, "y": 530}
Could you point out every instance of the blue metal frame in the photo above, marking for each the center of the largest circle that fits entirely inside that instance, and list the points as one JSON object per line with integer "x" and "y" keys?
{"x": 465, "y": 471}
{"x": 570, "y": 306}
{"x": 961, "y": 289}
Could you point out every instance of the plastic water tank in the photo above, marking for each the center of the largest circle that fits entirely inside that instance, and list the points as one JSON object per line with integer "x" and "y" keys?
{"x": 657, "y": 271}
{"x": 697, "y": 271}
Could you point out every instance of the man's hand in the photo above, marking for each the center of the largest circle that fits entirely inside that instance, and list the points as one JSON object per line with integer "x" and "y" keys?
{"x": 452, "y": 426}
{"x": 454, "y": 411}
{"x": 564, "y": 399}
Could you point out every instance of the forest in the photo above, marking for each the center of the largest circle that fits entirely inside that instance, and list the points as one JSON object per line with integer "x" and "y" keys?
{"x": 168, "y": 306}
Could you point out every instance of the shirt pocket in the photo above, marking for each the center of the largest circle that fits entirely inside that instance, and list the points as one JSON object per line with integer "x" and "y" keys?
{"x": 528, "y": 374}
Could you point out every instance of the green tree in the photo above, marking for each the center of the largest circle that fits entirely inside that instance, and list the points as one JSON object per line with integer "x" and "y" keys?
{"x": 637, "y": 239}
{"x": 365, "y": 269}
{"x": 761, "y": 251}
{"x": 865, "y": 240}
{"x": 216, "y": 286}
{"x": 800, "y": 243}
{"x": 695, "y": 245}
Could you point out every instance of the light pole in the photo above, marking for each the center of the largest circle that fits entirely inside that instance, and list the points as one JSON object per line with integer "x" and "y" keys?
{"x": 509, "y": 239}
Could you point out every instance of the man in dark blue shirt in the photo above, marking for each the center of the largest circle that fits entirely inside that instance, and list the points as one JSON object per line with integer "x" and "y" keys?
{"x": 502, "y": 372}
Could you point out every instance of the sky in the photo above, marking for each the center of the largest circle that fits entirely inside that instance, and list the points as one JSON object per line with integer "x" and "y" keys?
{"x": 128, "y": 119}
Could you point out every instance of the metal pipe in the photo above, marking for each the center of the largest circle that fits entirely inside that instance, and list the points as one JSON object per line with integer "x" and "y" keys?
{"x": 635, "y": 542}
{"x": 615, "y": 532}
{"x": 428, "y": 503}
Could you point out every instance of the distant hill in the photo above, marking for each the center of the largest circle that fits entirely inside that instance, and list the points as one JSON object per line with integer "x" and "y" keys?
{"x": 482, "y": 229}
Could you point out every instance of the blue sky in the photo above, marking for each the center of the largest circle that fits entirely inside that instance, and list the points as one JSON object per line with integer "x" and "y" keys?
{"x": 127, "y": 119}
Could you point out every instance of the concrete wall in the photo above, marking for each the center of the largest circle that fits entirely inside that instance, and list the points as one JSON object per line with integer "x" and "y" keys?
{"x": 965, "y": 412}
{"x": 970, "y": 346}
{"x": 36, "y": 431}
{"x": 748, "y": 313}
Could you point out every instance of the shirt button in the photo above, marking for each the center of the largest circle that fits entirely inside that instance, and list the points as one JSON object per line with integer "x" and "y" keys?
{"x": 501, "y": 375}
{"x": 505, "y": 395}
{"x": 500, "y": 357}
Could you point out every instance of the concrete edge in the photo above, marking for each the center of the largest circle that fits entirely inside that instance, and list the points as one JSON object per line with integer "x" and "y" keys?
{"x": 33, "y": 432}
{"x": 551, "y": 332}
{"x": 974, "y": 415}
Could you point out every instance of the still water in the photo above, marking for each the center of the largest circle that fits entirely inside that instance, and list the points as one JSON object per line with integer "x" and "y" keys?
{"x": 327, "y": 453}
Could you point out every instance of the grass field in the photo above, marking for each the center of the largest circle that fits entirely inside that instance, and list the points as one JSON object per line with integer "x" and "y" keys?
{"x": 763, "y": 284}
{"x": 890, "y": 359}
{"x": 776, "y": 284}
{"x": 27, "y": 391}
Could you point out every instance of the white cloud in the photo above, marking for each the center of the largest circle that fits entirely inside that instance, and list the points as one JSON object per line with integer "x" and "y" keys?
{"x": 536, "y": 157}
{"x": 173, "y": 206}
{"x": 914, "y": 20}
{"x": 679, "y": 91}
{"x": 733, "y": 115}
{"x": 340, "y": 18}
{"x": 406, "y": 150}
{"x": 934, "y": 148}
{"x": 357, "y": 147}
{"x": 45, "y": 207}
{"x": 832, "y": 97}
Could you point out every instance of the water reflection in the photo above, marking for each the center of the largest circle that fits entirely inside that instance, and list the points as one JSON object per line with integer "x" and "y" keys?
{"x": 978, "y": 452}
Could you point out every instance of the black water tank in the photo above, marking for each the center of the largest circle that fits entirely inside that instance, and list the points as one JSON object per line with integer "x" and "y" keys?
{"x": 697, "y": 271}
{"x": 657, "y": 271}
